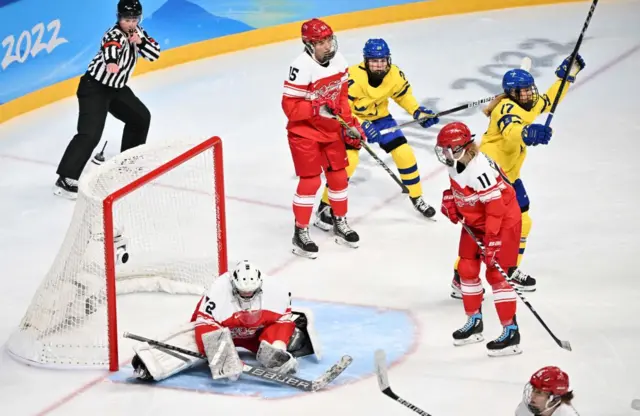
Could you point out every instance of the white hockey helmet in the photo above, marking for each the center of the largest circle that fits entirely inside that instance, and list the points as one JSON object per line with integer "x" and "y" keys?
{"x": 246, "y": 280}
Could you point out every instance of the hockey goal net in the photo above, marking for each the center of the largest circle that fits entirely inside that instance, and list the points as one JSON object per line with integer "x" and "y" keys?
{"x": 151, "y": 219}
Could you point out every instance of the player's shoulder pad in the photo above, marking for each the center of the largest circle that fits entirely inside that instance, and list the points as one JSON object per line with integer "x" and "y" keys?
{"x": 299, "y": 72}
{"x": 340, "y": 60}
{"x": 507, "y": 112}
{"x": 482, "y": 173}
{"x": 396, "y": 72}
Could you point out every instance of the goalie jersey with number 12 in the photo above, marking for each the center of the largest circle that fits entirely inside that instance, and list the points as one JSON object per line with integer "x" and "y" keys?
{"x": 243, "y": 308}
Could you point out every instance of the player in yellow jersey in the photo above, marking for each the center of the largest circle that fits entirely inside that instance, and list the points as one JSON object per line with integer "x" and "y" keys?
{"x": 371, "y": 84}
{"x": 511, "y": 130}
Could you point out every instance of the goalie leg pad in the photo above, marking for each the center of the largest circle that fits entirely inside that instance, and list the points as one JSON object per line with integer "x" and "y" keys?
{"x": 275, "y": 357}
{"x": 161, "y": 363}
{"x": 222, "y": 355}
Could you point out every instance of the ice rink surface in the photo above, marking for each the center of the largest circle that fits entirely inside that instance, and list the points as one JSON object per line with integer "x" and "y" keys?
{"x": 582, "y": 248}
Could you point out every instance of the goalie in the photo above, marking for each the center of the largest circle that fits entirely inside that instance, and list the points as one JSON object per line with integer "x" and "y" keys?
{"x": 243, "y": 308}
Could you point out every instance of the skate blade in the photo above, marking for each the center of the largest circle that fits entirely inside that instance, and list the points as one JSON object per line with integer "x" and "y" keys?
{"x": 344, "y": 242}
{"x": 525, "y": 288}
{"x": 307, "y": 254}
{"x": 323, "y": 225}
{"x": 473, "y": 339}
{"x": 505, "y": 352}
{"x": 64, "y": 194}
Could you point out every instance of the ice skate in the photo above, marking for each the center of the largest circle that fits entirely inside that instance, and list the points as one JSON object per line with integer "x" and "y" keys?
{"x": 423, "y": 208}
{"x": 66, "y": 188}
{"x": 344, "y": 234}
{"x": 522, "y": 281}
{"x": 471, "y": 332}
{"x": 324, "y": 217}
{"x": 303, "y": 246}
{"x": 508, "y": 343}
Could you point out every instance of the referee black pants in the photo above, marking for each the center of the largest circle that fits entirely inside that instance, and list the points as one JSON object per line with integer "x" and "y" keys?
{"x": 96, "y": 101}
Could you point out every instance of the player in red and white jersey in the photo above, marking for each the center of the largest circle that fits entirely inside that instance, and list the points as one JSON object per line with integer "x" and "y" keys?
{"x": 481, "y": 197}
{"x": 243, "y": 308}
{"x": 315, "y": 90}
{"x": 547, "y": 394}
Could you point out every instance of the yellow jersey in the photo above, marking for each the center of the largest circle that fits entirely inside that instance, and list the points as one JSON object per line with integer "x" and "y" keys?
{"x": 502, "y": 141}
{"x": 372, "y": 103}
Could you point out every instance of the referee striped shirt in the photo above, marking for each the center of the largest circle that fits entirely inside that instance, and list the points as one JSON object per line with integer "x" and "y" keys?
{"x": 116, "y": 49}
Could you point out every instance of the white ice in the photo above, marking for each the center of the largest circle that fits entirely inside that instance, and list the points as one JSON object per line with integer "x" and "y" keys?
{"x": 582, "y": 248}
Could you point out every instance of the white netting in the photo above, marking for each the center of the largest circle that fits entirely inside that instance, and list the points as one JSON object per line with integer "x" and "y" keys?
{"x": 168, "y": 229}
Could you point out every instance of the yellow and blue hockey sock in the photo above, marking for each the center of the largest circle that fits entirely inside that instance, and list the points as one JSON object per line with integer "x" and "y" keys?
{"x": 526, "y": 228}
{"x": 407, "y": 165}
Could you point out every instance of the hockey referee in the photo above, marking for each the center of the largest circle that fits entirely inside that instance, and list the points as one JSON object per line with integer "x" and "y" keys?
{"x": 103, "y": 89}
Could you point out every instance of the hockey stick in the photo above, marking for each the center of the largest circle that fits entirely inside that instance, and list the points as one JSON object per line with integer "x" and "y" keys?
{"x": 574, "y": 54}
{"x": 562, "y": 344}
{"x": 261, "y": 372}
{"x": 524, "y": 64}
{"x": 380, "y": 363}
{"x": 635, "y": 404}
{"x": 375, "y": 157}
{"x": 440, "y": 114}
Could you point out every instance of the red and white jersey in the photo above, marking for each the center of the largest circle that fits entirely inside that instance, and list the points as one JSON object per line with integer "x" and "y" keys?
{"x": 561, "y": 410}
{"x": 483, "y": 198}
{"x": 220, "y": 308}
{"x": 306, "y": 81}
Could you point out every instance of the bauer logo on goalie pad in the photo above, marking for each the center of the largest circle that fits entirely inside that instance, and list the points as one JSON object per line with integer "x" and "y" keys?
{"x": 280, "y": 377}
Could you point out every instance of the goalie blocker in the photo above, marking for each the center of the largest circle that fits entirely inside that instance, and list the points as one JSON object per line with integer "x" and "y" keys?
{"x": 241, "y": 309}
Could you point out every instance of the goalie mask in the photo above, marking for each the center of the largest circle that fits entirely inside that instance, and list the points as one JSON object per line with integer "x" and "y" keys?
{"x": 246, "y": 281}
{"x": 520, "y": 86}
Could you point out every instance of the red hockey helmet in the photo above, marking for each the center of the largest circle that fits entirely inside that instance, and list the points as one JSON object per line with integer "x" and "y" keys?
{"x": 313, "y": 31}
{"x": 545, "y": 389}
{"x": 550, "y": 380}
{"x": 452, "y": 141}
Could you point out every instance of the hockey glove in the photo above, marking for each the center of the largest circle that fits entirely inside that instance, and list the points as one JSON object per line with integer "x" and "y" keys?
{"x": 422, "y": 112}
{"x": 372, "y": 133}
{"x": 579, "y": 64}
{"x": 448, "y": 207}
{"x": 535, "y": 134}
{"x": 492, "y": 245}
{"x": 323, "y": 107}
{"x": 353, "y": 136}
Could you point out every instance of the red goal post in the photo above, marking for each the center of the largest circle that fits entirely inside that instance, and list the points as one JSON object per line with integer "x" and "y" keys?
{"x": 151, "y": 219}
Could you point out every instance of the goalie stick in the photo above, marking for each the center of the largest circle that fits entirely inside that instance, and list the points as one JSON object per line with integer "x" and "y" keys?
{"x": 261, "y": 372}
{"x": 562, "y": 344}
{"x": 524, "y": 64}
{"x": 380, "y": 362}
